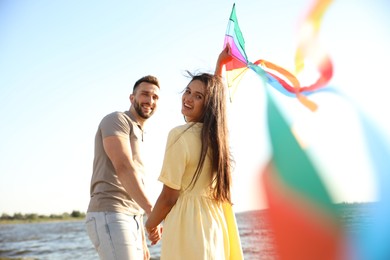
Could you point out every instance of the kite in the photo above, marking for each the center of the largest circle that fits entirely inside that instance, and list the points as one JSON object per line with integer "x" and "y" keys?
{"x": 278, "y": 77}
{"x": 305, "y": 221}
{"x": 302, "y": 215}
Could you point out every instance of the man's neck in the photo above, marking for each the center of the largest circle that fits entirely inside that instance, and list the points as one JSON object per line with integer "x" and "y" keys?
{"x": 140, "y": 121}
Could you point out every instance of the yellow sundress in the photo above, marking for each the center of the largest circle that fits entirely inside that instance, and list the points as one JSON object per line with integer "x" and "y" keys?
{"x": 197, "y": 227}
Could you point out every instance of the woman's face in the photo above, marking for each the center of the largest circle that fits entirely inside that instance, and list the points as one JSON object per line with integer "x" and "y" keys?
{"x": 193, "y": 101}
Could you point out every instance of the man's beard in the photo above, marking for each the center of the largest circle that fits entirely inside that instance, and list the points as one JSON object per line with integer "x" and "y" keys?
{"x": 139, "y": 111}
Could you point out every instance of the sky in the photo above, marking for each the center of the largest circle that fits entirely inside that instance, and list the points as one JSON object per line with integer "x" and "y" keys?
{"x": 66, "y": 64}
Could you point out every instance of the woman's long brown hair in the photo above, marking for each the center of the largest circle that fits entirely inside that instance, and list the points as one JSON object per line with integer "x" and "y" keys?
{"x": 215, "y": 136}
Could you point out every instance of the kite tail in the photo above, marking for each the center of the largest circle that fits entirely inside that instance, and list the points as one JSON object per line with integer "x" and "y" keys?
{"x": 264, "y": 69}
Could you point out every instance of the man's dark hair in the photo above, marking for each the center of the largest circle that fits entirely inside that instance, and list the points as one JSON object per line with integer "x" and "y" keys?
{"x": 149, "y": 79}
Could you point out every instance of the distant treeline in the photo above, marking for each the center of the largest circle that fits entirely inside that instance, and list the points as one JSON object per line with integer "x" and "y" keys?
{"x": 75, "y": 214}
{"x": 33, "y": 216}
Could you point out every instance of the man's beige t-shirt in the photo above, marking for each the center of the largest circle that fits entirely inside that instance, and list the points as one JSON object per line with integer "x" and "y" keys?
{"x": 107, "y": 192}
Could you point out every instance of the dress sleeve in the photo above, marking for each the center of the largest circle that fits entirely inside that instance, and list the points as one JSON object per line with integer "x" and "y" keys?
{"x": 175, "y": 160}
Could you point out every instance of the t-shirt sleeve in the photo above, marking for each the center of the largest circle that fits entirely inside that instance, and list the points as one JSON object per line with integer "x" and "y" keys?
{"x": 175, "y": 160}
{"x": 115, "y": 124}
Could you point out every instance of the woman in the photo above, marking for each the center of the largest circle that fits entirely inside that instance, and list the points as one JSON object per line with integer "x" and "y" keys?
{"x": 195, "y": 202}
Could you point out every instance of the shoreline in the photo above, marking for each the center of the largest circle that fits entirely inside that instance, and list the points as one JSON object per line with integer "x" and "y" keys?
{"x": 39, "y": 220}
{"x": 81, "y": 216}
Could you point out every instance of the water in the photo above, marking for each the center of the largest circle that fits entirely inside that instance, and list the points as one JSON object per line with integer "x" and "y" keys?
{"x": 53, "y": 240}
{"x": 68, "y": 240}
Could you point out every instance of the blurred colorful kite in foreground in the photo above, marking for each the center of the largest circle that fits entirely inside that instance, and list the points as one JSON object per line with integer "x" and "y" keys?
{"x": 306, "y": 222}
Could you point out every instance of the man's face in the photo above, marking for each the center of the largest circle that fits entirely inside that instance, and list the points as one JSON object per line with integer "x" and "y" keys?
{"x": 145, "y": 99}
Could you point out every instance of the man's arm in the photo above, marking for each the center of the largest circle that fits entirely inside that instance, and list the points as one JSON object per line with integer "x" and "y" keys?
{"x": 118, "y": 150}
{"x": 145, "y": 245}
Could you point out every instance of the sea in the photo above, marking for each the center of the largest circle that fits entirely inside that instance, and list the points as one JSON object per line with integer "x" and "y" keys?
{"x": 68, "y": 240}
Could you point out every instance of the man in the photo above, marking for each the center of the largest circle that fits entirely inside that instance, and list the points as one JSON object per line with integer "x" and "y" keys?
{"x": 118, "y": 200}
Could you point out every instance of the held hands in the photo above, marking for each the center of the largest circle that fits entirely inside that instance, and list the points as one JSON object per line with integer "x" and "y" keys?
{"x": 154, "y": 234}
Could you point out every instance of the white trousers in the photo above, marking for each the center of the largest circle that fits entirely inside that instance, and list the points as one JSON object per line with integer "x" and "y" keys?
{"x": 115, "y": 236}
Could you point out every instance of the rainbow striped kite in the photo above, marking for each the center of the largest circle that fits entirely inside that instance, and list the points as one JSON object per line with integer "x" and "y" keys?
{"x": 279, "y": 78}
{"x": 302, "y": 215}
{"x": 305, "y": 220}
